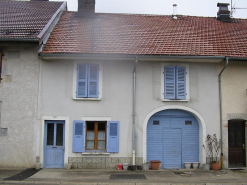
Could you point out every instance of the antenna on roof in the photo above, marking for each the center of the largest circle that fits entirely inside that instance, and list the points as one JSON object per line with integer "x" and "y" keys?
{"x": 233, "y": 9}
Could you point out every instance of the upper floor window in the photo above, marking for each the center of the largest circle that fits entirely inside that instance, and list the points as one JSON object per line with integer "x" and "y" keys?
{"x": 175, "y": 82}
{"x": 87, "y": 84}
{"x": 87, "y": 81}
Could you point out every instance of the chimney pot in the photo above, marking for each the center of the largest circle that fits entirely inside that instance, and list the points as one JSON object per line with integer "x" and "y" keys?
{"x": 86, "y": 6}
{"x": 174, "y": 15}
{"x": 223, "y": 14}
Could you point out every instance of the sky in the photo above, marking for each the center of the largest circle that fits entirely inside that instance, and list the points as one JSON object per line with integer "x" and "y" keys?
{"x": 206, "y": 8}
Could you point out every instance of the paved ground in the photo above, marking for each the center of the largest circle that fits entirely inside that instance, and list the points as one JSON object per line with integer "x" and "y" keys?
{"x": 102, "y": 177}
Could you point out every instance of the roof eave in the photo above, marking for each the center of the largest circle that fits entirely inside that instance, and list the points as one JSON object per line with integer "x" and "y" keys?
{"x": 53, "y": 56}
{"x": 46, "y": 31}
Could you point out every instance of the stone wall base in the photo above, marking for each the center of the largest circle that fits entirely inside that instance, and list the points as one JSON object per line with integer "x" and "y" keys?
{"x": 101, "y": 162}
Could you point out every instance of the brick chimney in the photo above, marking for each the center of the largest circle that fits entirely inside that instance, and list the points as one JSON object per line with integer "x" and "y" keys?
{"x": 86, "y": 6}
{"x": 223, "y": 14}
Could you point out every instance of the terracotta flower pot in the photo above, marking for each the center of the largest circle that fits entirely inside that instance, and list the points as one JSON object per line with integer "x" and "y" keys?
{"x": 155, "y": 165}
{"x": 215, "y": 166}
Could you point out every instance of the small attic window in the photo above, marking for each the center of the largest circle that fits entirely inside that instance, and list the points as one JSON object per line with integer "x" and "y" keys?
{"x": 155, "y": 122}
{"x": 188, "y": 122}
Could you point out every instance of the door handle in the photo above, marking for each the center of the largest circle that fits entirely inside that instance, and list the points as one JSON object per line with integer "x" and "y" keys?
{"x": 243, "y": 146}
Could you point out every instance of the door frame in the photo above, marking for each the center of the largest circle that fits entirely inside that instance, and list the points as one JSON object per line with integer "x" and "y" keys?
{"x": 244, "y": 135}
{"x": 66, "y": 136}
{"x": 55, "y": 123}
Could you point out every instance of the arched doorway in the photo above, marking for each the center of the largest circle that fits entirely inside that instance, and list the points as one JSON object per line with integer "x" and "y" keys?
{"x": 174, "y": 135}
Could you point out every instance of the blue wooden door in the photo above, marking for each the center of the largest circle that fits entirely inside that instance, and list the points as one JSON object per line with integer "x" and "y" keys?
{"x": 54, "y": 144}
{"x": 173, "y": 138}
{"x": 172, "y": 150}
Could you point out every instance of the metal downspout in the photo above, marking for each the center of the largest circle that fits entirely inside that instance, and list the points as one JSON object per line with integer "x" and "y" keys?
{"x": 221, "y": 124}
{"x": 134, "y": 115}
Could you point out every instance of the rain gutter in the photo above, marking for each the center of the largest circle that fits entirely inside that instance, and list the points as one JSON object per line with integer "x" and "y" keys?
{"x": 221, "y": 124}
{"x": 122, "y": 56}
{"x": 19, "y": 40}
{"x": 134, "y": 114}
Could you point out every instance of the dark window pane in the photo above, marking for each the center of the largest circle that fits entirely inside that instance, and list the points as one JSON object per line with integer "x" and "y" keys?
{"x": 231, "y": 134}
{"x": 239, "y": 134}
{"x": 50, "y": 134}
{"x": 155, "y": 122}
{"x": 101, "y": 126}
{"x": 188, "y": 122}
{"x": 59, "y": 138}
{"x": 90, "y": 126}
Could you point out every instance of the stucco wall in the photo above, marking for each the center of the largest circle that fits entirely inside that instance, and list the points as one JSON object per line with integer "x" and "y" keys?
{"x": 57, "y": 81}
{"x": 18, "y": 94}
{"x": 234, "y": 97}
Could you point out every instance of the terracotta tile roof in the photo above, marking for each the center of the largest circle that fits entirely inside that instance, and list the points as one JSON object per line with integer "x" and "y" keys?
{"x": 148, "y": 35}
{"x": 25, "y": 19}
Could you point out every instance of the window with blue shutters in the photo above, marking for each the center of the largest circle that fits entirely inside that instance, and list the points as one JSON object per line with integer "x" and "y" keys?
{"x": 175, "y": 83}
{"x": 96, "y": 136}
{"x": 87, "y": 83}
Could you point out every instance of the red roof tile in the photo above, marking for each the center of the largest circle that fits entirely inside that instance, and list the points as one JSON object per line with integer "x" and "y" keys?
{"x": 148, "y": 34}
{"x": 25, "y": 19}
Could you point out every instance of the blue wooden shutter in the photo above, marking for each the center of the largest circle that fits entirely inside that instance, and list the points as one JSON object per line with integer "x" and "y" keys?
{"x": 169, "y": 80}
{"x": 93, "y": 81}
{"x": 78, "y": 136}
{"x": 81, "y": 90}
{"x": 181, "y": 83}
{"x": 113, "y": 136}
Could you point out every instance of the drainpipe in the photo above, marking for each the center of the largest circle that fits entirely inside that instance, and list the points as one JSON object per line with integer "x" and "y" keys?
{"x": 134, "y": 115}
{"x": 221, "y": 124}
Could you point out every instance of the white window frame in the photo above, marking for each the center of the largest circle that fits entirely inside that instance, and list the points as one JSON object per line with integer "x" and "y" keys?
{"x": 74, "y": 96}
{"x": 163, "y": 65}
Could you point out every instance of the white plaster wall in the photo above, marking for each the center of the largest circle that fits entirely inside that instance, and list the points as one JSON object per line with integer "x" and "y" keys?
{"x": 57, "y": 81}
{"x": 203, "y": 89}
{"x": 234, "y": 97}
{"x": 18, "y": 93}
{"x": 116, "y": 103}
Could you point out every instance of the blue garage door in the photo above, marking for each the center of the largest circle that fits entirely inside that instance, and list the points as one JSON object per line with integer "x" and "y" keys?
{"x": 172, "y": 151}
{"x": 173, "y": 138}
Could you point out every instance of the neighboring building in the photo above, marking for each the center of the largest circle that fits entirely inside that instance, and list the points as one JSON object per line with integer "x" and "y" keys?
{"x": 24, "y": 27}
{"x": 234, "y": 108}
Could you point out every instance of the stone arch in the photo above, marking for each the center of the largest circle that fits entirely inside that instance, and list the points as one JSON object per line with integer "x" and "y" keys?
{"x": 197, "y": 115}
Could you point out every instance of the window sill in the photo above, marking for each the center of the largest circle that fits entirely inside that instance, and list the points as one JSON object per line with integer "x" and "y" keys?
{"x": 88, "y": 99}
{"x": 166, "y": 100}
{"x": 93, "y": 153}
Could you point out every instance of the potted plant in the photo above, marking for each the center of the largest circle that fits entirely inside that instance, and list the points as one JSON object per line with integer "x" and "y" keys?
{"x": 155, "y": 164}
{"x": 213, "y": 149}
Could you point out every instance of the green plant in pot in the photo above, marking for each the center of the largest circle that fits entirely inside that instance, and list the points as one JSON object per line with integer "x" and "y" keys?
{"x": 213, "y": 150}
